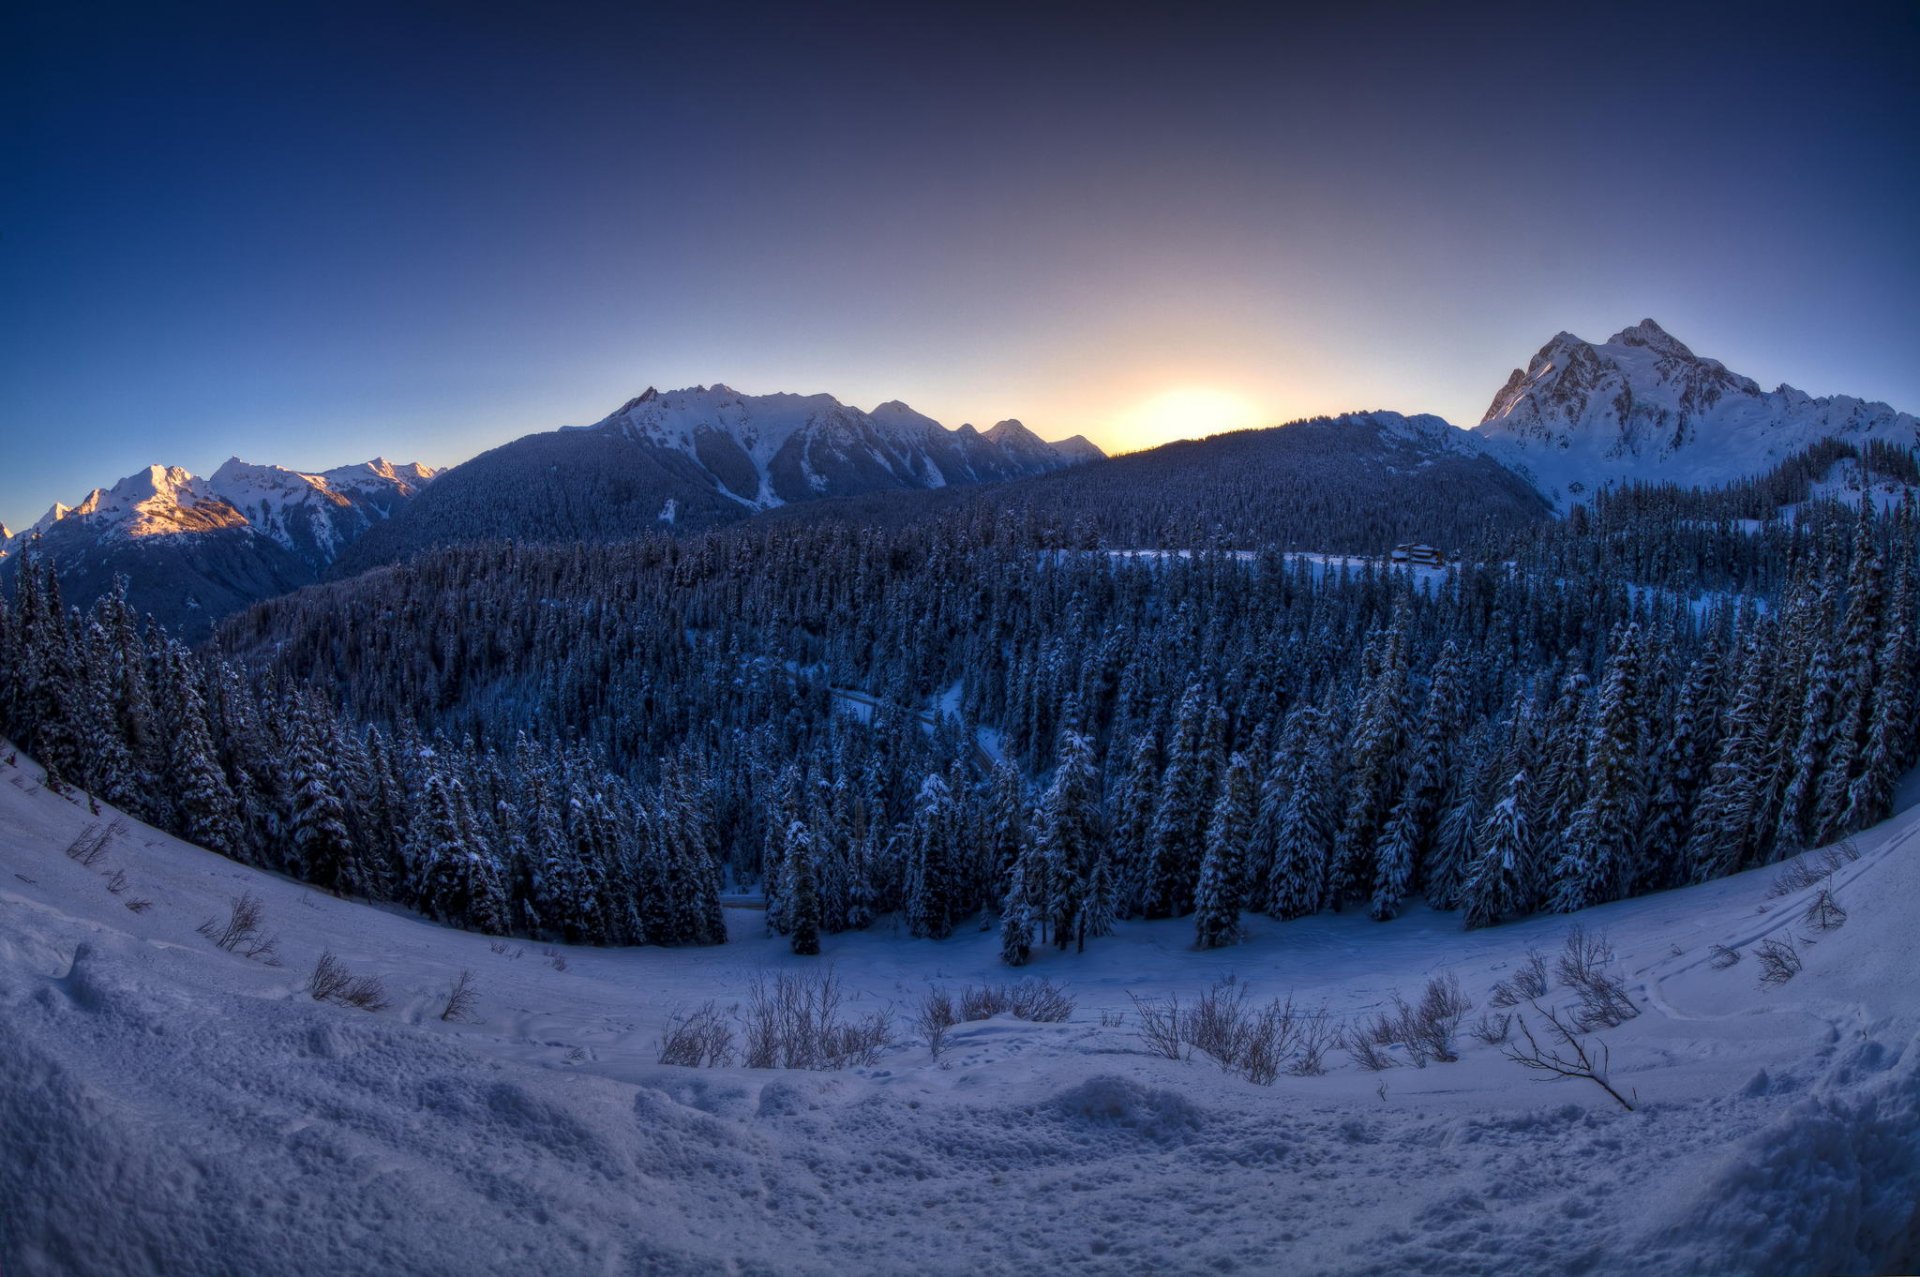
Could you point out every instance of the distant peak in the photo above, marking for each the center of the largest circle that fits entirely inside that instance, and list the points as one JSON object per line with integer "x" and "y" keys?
{"x": 1651, "y": 335}
{"x": 644, "y": 397}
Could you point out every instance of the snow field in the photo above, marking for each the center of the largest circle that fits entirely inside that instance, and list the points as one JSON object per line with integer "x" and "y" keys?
{"x": 169, "y": 1107}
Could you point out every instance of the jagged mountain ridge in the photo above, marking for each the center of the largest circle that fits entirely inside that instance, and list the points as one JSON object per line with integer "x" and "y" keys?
{"x": 194, "y": 549}
{"x": 684, "y": 460}
{"x": 1643, "y": 406}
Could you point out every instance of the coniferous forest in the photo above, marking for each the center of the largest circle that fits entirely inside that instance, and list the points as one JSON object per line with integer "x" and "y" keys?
{"x": 977, "y": 718}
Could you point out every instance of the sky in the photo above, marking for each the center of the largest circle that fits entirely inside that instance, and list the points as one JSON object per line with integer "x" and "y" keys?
{"x": 307, "y": 234}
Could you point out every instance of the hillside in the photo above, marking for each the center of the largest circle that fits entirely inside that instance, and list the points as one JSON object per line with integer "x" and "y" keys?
{"x": 241, "y": 1126}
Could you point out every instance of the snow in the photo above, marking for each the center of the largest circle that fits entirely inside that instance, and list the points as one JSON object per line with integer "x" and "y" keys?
{"x": 1641, "y": 407}
{"x": 167, "y": 500}
{"x": 168, "y": 1107}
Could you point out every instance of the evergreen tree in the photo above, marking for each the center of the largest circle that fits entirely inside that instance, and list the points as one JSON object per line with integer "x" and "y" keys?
{"x": 1497, "y": 886}
{"x": 802, "y": 872}
{"x": 1217, "y": 906}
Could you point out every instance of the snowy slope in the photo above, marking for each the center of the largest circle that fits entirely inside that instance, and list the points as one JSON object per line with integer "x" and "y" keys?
{"x": 1641, "y": 406}
{"x": 172, "y": 1108}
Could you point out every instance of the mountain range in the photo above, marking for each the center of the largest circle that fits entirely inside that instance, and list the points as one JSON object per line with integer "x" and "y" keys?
{"x": 1580, "y": 417}
{"x": 685, "y": 460}
{"x": 194, "y": 549}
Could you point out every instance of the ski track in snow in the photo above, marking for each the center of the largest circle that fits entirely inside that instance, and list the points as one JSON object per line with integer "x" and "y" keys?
{"x": 166, "y": 1107}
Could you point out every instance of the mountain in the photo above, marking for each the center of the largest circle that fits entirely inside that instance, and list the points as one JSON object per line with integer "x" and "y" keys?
{"x": 695, "y": 458}
{"x": 194, "y": 549}
{"x": 1358, "y": 483}
{"x": 1642, "y": 406}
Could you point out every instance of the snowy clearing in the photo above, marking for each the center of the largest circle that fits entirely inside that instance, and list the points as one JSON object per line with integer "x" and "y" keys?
{"x": 167, "y": 1106}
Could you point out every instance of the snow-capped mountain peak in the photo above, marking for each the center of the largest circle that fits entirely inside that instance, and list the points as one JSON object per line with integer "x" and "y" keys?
{"x": 1643, "y": 406}
{"x": 768, "y": 450}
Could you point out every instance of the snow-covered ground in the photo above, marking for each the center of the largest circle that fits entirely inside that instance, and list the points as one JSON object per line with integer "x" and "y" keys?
{"x": 168, "y": 1107}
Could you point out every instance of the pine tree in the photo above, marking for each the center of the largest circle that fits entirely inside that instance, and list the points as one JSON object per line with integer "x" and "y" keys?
{"x": 1181, "y": 813}
{"x": 1016, "y": 921}
{"x": 1069, "y": 837}
{"x": 930, "y": 889}
{"x": 322, "y": 849}
{"x": 1217, "y": 905}
{"x": 1594, "y": 864}
{"x": 1303, "y": 842}
{"x": 1497, "y": 886}
{"x": 801, "y": 873}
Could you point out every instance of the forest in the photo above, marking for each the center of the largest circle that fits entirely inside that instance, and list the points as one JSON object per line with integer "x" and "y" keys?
{"x": 985, "y": 715}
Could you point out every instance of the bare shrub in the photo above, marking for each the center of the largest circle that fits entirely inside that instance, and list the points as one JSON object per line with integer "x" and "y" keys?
{"x": 1568, "y": 1056}
{"x": 87, "y": 849}
{"x": 797, "y": 1023}
{"x": 1037, "y": 1000}
{"x": 936, "y": 1016}
{"x": 242, "y": 932}
{"x": 1604, "y": 1001}
{"x": 117, "y": 883}
{"x": 1722, "y": 957}
{"x": 1219, "y": 1021}
{"x": 138, "y": 904}
{"x": 1824, "y": 912}
{"x": 1113, "y": 1019}
{"x": 365, "y": 992}
{"x": 463, "y": 995}
{"x": 332, "y": 982}
{"x": 329, "y": 978}
{"x": 1315, "y": 1035}
{"x": 1526, "y": 984}
{"x": 1800, "y": 873}
{"x": 1436, "y": 1020}
{"x": 698, "y": 1038}
{"x": 1358, "y": 1042}
{"x": 1779, "y": 960}
{"x": 555, "y": 959}
{"x": 1492, "y": 1029}
{"x": 1159, "y": 1024}
{"x": 1041, "y": 1001}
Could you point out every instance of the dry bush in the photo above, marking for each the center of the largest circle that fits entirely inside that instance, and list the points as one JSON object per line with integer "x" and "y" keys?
{"x": 1219, "y": 1021}
{"x": 1800, "y": 873}
{"x": 1435, "y": 1022}
{"x": 117, "y": 883}
{"x": 698, "y": 1038}
{"x": 329, "y": 977}
{"x": 797, "y": 1023}
{"x": 1779, "y": 961}
{"x": 1316, "y": 1035}
{"x": 462, "y": 996}
{"x": 138, "y": 904}
{"x": 1604, "y": 1002}
{"x": 1824, "y": 912}
{"x": 332, "y": 982}
{"x": 87, "y": 849}
{"x": 1722, "y": 957}
{"x": 1041, "y": 1001}
{"x": 1426, "y": 1030}
{"x": 1568, "y": 1056}
{"x": 1492, "y": 1029}
{"x": 1526, "y": 984}
{"x": 1159, "y": 1024}
{"x": 1370, "y": 1055}
{"x": 242, "y": 932}
{"x": 936, "y": 1016}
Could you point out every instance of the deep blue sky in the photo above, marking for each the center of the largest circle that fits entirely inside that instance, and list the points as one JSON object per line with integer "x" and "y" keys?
{"x": 309, "y": 234}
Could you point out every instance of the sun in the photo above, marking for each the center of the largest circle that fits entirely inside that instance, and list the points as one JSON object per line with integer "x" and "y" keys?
{"x": 1187, "y": 412}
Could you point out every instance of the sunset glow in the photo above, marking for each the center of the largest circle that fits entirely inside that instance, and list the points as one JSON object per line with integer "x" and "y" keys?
{"x": 1187, "y": 412}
